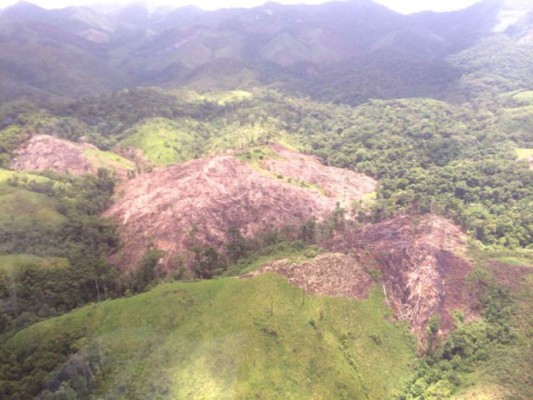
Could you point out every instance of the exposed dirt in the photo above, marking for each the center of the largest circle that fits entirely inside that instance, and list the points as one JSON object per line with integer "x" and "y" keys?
{"x": 421, "y": 263}
{"x": 342, "y": 184}
{"x": 510, "y": 276}
{"x": 197, "y": 202}
{"x": 43, "y": 152}
{"x": 423, "y": 268}
{"x": 331, "y": 274}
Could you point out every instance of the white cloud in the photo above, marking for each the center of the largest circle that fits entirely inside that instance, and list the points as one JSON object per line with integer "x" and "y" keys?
{"x": 403, "y": 6}
{"x": 407, "y": 7}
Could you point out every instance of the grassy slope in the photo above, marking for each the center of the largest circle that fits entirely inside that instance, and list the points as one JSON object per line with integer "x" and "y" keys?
{"x": 229, "y": 338}
{"x": 163, "y": 141}
{"x": 26, "y": 208}
{"x": 10, "y": 263}
{"x": 255, "y": 157}
{"x": 219, "y": 97}
{"x": 108, "y": 160}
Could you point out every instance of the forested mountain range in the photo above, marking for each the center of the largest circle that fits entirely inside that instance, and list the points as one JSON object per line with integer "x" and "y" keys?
{"x": 343, "y": 52}
{"x": 330, "y": 201}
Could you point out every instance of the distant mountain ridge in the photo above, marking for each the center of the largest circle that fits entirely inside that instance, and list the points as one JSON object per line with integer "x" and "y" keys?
{"x": 305, "y": 49}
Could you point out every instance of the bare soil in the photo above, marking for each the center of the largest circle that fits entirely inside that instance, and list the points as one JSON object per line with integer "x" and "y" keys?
{"x": 342, "y": 184}
{"x": 330, "y": 274}
{"x": 423, "y": 267}
{"x": 421, "y": 263}
{"x": 197, "y": 202}
{"x": 43, "y": 152}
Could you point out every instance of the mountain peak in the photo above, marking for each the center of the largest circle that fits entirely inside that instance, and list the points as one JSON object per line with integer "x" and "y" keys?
{"x": 24, "y": 10}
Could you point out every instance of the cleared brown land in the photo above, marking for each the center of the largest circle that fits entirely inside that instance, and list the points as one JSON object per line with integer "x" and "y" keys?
{"x": 196, "y": 203}
{"x": 423, "y": 267}
{"x": 331, "y": 274}
{"x": 420, "y": 262}
{"x": 43, "y": 152}
{"x": 343, "y": 184}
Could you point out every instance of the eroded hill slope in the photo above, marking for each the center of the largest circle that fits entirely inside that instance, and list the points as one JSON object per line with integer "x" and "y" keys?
{"x": 199, "y": 202}
{"x": 423, "y": 266}
{"x": 420, "y": 261}
{"x": 44, "y": 152}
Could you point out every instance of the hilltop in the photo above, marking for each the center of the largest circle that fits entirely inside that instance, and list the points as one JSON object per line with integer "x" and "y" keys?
{"x": 48, "y": 153}
{"x": 221, "y": 200}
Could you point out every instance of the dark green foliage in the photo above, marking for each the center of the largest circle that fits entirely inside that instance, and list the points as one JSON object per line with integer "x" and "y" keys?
{"x": 32, "y": 292}
{"x": 237, "y": 246}
{"x": 40, "y": 361}
{"x": 468, "y": 346}
{"x": 146, "y": 273}
{"x": 429, "y": 156}
{"x": 110, "y": 115}
{"x": 208, "y": 262}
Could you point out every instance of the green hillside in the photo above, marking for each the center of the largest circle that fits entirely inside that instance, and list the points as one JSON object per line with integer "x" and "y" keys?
{"x": 11, "y": 263}
{"x": 164, "y": 141}
{"x": 108, "y": 160}
{"x": 227, "y": 338}
{"x": 52, "y": 244}
{"x": 26, "y": 210}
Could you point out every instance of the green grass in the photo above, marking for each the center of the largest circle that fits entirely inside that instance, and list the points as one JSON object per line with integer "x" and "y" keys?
{"x": 108, "y": 160}
{"x": 9, "y": 263}
{"x": 524, "y": 153}
{"x": 256, "y": 155}
{"x": 27, "y": 209}
{"x": 523, "y": 97}
{"x": 221, "y": 98}
{"x": 523, "y": 257}
{"x": 7, "y": 175}
{"x": 246, "y": 137}
{"x": 162, "y": 141}
{"x": 23, "y": 213}
{"x": 228, "y": 338}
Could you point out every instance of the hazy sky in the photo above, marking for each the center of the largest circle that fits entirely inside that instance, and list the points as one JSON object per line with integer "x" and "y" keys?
{"x": 403, "y": 6}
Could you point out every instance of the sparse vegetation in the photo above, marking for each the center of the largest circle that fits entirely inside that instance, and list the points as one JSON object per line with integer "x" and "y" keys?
{"x": 482, "y": 353}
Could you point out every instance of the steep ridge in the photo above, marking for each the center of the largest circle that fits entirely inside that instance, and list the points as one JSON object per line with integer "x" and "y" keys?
{"x": 421, "y": 263}
{"x": 308, "y": 49}
{"x": 199, "y": 202}
{"x": 423, "y": 268}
